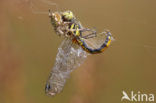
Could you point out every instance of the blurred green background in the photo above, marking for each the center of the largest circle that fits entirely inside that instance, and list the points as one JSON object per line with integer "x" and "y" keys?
{"x": 28, "y": 47}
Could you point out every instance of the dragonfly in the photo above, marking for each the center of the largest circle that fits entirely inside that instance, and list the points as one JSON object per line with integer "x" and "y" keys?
{"x": 78, "y": 43}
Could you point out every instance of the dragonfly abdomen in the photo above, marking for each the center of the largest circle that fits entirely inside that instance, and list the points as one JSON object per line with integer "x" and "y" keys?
{"x": 82, "y": 43}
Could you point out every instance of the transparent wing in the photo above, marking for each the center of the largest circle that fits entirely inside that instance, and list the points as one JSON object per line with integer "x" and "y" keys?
{"x": 69, "y": 57}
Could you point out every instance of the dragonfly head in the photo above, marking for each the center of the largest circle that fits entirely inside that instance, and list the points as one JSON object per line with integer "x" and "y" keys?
{"x": 68, "y": 15}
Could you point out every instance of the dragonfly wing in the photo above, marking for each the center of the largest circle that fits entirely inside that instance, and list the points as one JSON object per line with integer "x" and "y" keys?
{"x": 69, "y": 57}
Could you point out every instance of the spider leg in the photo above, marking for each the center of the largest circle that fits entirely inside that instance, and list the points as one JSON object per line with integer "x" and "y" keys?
{"x": 90, "y": 35}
